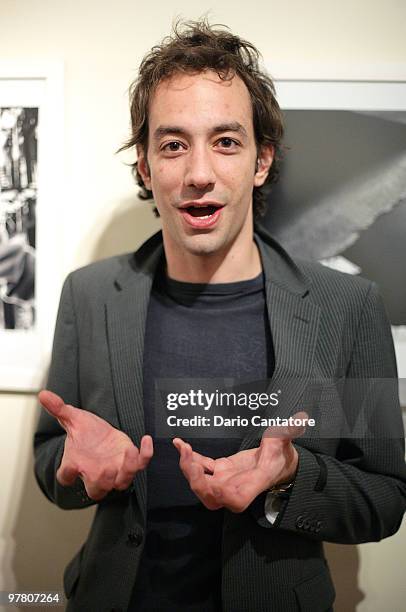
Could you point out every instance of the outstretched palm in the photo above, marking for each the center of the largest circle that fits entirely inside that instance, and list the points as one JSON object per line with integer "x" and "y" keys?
{"x": 234, "y": 482}
{"x": 103, "y": 456}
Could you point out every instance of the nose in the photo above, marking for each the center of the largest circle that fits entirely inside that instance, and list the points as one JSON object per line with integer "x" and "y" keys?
{"x": 199, "y": 170}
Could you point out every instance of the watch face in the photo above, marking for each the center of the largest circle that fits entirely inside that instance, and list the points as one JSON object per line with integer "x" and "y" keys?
{"x": 281, "y": 488}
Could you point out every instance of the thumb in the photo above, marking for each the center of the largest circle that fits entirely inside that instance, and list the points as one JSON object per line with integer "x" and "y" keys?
{"x": 297, "y": 429}
{"x": 56, "y": 407}
{"x": 291, "y": 431}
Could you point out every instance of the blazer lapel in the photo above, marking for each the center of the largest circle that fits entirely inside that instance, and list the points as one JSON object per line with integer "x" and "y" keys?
{"x": 294, "y": 324}
{"x": 293, "y": 320}
{"x": 126, "y": 314}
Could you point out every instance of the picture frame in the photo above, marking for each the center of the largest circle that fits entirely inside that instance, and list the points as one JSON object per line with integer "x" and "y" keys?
{"x": 34, "y": 90}
{"x": 371, "y": 90}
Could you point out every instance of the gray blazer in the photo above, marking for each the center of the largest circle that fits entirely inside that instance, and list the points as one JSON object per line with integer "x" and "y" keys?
{"x": 325, "y": 325}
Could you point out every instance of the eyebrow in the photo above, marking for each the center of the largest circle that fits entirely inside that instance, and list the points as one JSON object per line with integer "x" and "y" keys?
{"x": 233, "y": 126}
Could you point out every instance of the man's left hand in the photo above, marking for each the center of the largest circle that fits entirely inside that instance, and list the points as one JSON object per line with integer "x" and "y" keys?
{"x": 234, "y": 482}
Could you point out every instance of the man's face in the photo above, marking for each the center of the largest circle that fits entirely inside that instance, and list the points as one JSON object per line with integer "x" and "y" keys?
{"x": 201, "y": 163}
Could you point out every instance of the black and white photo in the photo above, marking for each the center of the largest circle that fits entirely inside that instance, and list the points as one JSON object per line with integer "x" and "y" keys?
{"x": 18, "y": 196}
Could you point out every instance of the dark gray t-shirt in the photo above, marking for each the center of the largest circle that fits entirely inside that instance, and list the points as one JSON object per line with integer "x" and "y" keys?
{"x": 193, "y": 331}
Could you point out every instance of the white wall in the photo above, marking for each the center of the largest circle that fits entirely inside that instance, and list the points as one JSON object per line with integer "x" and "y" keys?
{"x": 101, "y": 44}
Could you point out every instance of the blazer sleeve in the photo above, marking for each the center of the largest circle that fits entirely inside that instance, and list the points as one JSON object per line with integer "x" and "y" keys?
{"x": 359, "y": 494}
{"x": 63, "y": 379}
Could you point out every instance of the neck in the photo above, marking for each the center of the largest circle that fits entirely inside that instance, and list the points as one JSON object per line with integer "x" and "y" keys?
{"x": 236, "y": 263}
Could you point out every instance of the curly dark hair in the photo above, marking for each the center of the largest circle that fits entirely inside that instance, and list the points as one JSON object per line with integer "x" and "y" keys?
{"x": 193, "y": 47}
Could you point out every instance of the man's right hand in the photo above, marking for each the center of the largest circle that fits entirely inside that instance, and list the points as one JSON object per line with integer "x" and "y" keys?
{"x": 104, "y": 457}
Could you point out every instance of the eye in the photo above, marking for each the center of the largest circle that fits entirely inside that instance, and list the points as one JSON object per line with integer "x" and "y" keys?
{"x": 227, "y": 143}
{"x": 173, "y": 147}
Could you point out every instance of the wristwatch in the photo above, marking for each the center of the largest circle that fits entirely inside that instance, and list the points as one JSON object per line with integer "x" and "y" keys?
{"x": 282, "y": 489}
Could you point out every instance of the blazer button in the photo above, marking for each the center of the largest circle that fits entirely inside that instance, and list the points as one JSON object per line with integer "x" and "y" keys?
{"x": 306, "y": 524}
{"x": 299, "y": 522}
{"x": 134, "y": 538}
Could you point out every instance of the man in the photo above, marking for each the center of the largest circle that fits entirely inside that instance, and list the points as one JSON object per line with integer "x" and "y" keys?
{"x": 238, "y": 525}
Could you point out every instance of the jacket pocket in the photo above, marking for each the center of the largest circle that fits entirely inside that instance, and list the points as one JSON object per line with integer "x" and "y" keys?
{"x": 316, "y": 594}
{"x": 72, "y": 573}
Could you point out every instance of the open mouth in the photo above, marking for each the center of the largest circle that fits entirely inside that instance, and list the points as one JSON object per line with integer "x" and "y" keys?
{"x": 202, "y": 216}
{"x": 204, "y": 212}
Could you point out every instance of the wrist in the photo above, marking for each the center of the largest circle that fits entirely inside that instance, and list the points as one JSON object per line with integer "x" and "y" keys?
{"x": 282, "y": 488}
{"x": 285, "y": 483}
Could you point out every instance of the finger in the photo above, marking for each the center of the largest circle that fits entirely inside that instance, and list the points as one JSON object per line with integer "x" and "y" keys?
{"x": 295, "y": 431}
{"x": 185, "y": 460}
{"x": 185, "y": 450}
{"x": 146, "y": 452}
{"x": 178, "y": 443}
{"x": 195, "y": 475}
{"x": 123, "y": 485}
{"x": 67, "y": 474}
{"x": 95, "y": 492}
{"x": 130, "y": 461}
{"x": 99, "y": 483}
{"x": 201, "y": 486}
{"x": 56, "y": 407}
{"x": 222, "y": 464}
{"x": 107, "y": 478}
{"x": 129, "y": 468}
{"x": 206, "y": 462}
{"x": 192, "y": 472}
{"x": 198, "y": 481}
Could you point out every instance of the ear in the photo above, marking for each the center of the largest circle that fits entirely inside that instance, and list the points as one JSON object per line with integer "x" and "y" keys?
{"x": 263, "y": 164}
{"x": 143, "y": 167}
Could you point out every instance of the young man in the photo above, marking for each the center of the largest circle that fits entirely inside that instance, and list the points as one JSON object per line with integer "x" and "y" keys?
{"x": 218, "y": 524}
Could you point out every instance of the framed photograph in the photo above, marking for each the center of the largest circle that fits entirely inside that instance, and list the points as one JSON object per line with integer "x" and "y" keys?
{"x": 31, "y": 129}
{"x": 341, "y": 198}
